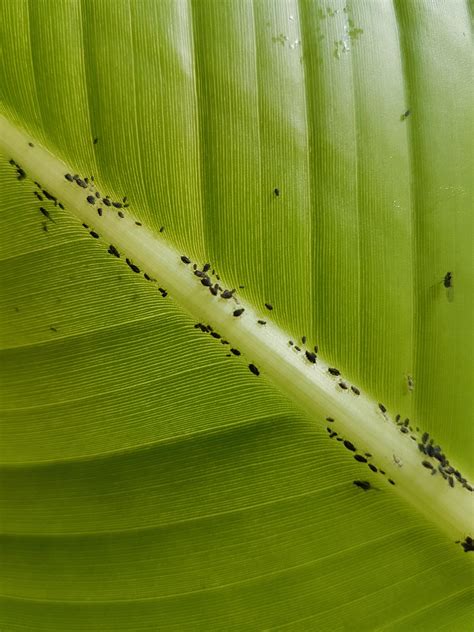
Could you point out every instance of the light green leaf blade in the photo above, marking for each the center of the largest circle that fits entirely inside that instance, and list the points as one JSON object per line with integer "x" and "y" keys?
{"x": 177, "y": 490}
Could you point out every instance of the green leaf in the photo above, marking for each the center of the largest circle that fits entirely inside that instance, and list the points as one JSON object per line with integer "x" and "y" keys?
{"x": 320, "y": 157}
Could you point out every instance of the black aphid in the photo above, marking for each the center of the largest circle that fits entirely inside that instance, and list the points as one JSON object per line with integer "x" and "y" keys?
{"x": 355, "y": 390}
{"x": 382, "y": 408}
{"x": 21, "y": 174}
{"x": 214, "y": 334}
{"x": 69, "y": 177}
{"x": 94, "y": 234}
{"x": 214, "y": 290}
{"x": 206, "y": 267}
{"x": 45, "y": 227}
{"x": 343, "y": 385}
{"x": 268, "y": 306}
{"x": 329, "y": 419}
{"x": 85, "y": 225}
{"x": 276, "y": 192}
{"x": 397, "y": 418}
{"x": 382, "y": 472}
{"x": 404, "y": 430}
{"x": 360, "y": 458}
{"x": 391, "y": 482}
{"x": 372, "y": 467}
{"x": 207, "y": 281}
{"x": 303, "y": 340}
{"x": 238, "y": 312}
{"x": 297, "y": 348}
{"x": 86, "y": 180}
{"x": 40, "y": 198}
{"x": 95, "y": 141}
{"x": 31, "y": 144}
{"x": 448, "y": 279}
{"x": 198, "y": 273}
{"x": 226, "y": 294}
{"x": 225, "y": 342}
{"x": 91, "y": 199}
{"x": 120, "y": 214}
{"x": 427, "y": 464}
{"x": 316, "y": 348}
{"x": 81, "y": 183}
{"x": 242, "y": 287}
{"x": 365, "y": 485}
{"x": 60, "y": 206}
{"x": 117, "y": 204}
{"x": 367, "y": 454}
{"x": 253, "y": 369}
{"x": 262, "y": 322}
{"x": 425, "y": 437}
{"x": 53, "y": 329}
{"x": 310, "y": 356}
{"x": 99, "y": 212}
{"x": 162, "y": 228}
{"x": 333, "y": 371}
{"x": 350, "y": 446}
{"x": 106, "y": 201}
{"x": 97, "y": 194}
{"x": 49, "y": 196}
{"x": 163, "y": 292}
{"x": 291, "y": 343}
{"x": 185, "y": 259}
{"x": 45, "y": 212}
{"x": 235, "y": 352}
{"x": 451, "y": 481}
{"x": 124, "y": 199}
{"x": 113, "y": 251}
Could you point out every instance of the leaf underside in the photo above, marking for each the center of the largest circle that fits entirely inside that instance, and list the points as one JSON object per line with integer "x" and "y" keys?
{"x": 148, "y": 480}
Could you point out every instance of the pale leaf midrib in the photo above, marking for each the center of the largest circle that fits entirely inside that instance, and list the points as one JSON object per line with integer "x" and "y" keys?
{"x": 310, "y": 386}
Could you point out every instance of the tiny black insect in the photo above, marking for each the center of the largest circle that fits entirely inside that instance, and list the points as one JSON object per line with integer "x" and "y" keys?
{"x": 238, "y": 312}
{"x": 343, "y": 385}
{"x": 350, "y": 446}
{"x": 360, "y": 458}
{"x": 124, "y": 199}
{"x": 310, "y": 356}
{"x": 451, "y": 481}
{"x": 106, "y": 201}
{"x": 268, "y": 306}
{"x": 117, "y": 204}
{"x": 95, "y": 141}
{"x": 372, "y": 467}
{"x": 382, "y": 408}
{"x": 329, "y": 419}
{"x": 207, "y": 281}
{"x": 138, "y": 223}
{"x": 355, "y": 390}
{"x": 365, "y": 485}
{"x": 253, "y": 369}
{"x": 425, "y": 437}
{"x": 81, "y": 183}
{"x": 316, "y": 348}
{"x": 185, "y": 259}
{"x": 214, "y": 290}
{"x": 235, "y": 352}
{"x": 162, "y": 228}
{"x": 85, "y": 225}
{"x": 120, "y": 214}
{"x": 99, "y": 212}
{"x": 214, "y": 334}
{"x": 91, "y": 199}
{"x": 206, "y": 267}
{"x": 391, "y": 482}
{"x": 113, "y": 251}
{"x": 94, "y": 234}
{"x": 276, "y": 192}
{"x": 45, "y": 212}
{"x": 448, "y": 279}
{"x": 262, "y": 322}
{"x": 226, "y": 294}
{"x": 37, "y": 195}
{"x": 69, "y": 177}
{"x": 333, "y": 371}
{"x": 303, "y": 340}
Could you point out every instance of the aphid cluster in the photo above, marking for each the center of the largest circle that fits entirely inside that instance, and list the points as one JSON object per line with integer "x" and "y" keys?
{"x": 467, "y": 544}
{"x": 438, "y": 463}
